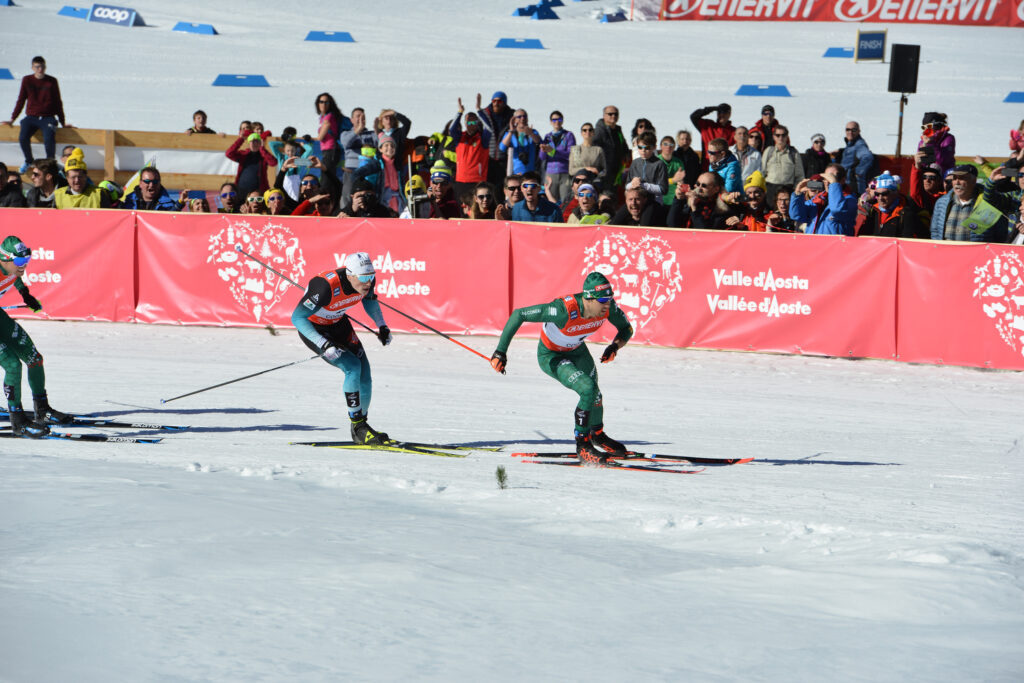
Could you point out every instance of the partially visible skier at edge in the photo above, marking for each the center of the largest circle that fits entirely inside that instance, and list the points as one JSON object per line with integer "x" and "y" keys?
{"x": 561, "y": 353}
{"x": 321, "y": 320}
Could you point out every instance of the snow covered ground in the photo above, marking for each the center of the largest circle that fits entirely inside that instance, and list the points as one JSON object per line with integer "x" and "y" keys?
{"x": 876, "y": 538}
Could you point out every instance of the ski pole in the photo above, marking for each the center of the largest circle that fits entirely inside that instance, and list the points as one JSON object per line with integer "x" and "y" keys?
{"x": 418, "y": 322}
{"x": 232, "y": 381}
{"x": 238, "y": 248}
{"x": 7, "y": 308}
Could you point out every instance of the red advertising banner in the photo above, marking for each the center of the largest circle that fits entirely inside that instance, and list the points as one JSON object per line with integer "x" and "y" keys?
{"x": 749, "y": 291}
{"x": 451, "y": 275}
{"x": 961, "y": 304}
{"x": 959, "y": 12}
{"x": 83, "y": 263}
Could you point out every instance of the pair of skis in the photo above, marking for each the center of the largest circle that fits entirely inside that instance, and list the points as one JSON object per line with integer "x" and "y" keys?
{"x": 630, "y": 460}
{"x": 85, "y": 421}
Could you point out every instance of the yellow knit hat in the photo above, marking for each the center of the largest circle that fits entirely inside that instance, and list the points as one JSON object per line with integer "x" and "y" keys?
{"x": 755, "y": 179}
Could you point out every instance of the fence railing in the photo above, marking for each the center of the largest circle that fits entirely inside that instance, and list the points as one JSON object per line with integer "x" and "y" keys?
{"x": 112, "y": 140}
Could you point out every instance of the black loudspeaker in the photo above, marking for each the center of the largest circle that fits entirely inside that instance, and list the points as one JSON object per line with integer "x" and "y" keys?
{"x": 903, "y": 68}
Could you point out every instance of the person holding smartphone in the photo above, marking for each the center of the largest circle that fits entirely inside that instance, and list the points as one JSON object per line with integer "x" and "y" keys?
{"x": 830, "y": 210}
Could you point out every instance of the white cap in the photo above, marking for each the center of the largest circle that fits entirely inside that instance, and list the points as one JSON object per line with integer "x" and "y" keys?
{"x": 359, "y": 263}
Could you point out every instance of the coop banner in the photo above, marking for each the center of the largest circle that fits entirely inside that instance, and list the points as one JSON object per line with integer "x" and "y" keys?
{"x": 194, "y": 269}
{"x": 749, "y": 291}
{"x": 960, "y": 12}
{"x": 961, "y": 304}
{"x": 83, "y": 263}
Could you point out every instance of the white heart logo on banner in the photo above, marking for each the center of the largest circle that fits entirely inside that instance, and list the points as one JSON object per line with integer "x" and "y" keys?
{"x": 643, "y": 272}
{"x": 1000, "y": 286}
{"x": 252, "y": 286}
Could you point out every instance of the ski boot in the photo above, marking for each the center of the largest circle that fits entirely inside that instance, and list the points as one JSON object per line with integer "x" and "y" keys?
{"x": 586, "y": 453}
{"x": 47, "y": 415}
{"x": 22, "y": 425}
{"x": 606, "y": 443}
{"x": 363, "y": 433}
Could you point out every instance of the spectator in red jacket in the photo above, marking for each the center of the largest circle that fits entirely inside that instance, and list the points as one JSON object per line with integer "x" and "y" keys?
{"x": 40, "y": 95}
{"x": 767, "y": 123}
{"x": 253, "y": 161}
{"x": 721, "y": 127}
{"x": 471, "y": 150}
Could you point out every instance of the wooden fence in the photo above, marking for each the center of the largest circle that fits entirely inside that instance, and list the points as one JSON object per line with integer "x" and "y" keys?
{"x": 109, "y": 140}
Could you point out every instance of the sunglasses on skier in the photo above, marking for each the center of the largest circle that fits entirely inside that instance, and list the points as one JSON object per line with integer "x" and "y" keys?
{"x": 365, "y": 278}
{"x": 20, "y": 260}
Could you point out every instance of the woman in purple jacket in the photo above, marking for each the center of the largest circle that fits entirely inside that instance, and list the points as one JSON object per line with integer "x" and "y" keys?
{"x": 937, "y": 141}
{"x": 555, "y": 149}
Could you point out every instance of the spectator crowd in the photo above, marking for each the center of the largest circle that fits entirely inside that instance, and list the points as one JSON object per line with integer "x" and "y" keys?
{"x": 490, "y": 163}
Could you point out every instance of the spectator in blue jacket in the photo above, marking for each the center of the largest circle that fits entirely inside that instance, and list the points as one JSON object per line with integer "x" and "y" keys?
{"x": 150, "y": 195}
{"x": 856, "y": 158}
{"x": 963, "y": 214}
{"x": 725, "y": 164}
{"x": 534, "y": 208}
{"x": 832, "y": 211}
{"x": 522, "y": 143}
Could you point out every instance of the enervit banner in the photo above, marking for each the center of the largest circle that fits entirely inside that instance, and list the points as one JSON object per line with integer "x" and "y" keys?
{"x": 451, "y": 275}
{"x": 961, "y": 304}
{"x": 965, "y": 12}
{"x": 756, "y": 291}
{"x": 83, "y": 263}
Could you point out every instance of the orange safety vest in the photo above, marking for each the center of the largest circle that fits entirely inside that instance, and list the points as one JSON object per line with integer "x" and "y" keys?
{"x": 574, "y": 332}
{"x": 334, "y": 310}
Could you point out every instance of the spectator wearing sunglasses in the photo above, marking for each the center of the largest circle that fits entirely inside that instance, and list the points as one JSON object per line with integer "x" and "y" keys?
{"x": 495, "y": 118}
{"x": 580, "y": 178}
{"x": 555, "y": 150}
{"x": 608, "y": 136}
{"x": 18, "y": 348}
{"x": 720, "y": 127}
{"x": 767, "y": 124}
{"x": 484, "y": 203}
{"x": 276, "y": 202}
{"x": 535, "y": 208}
{"x": 254, "y": 204}
{"x": 781, "y": 164}
{"x": 79, "y": 193}
{"x": 816, "y": 159}
{"x": 44, "y": 176}
{"x": 722, "y": 162}
{"x": 441, "y": 193}
{"x": 647, "y": 170}
{"x": 254, "y": 161}
{"x": 936, "y": 141}
{"x": 587, "y": 211}
{"x": 513, "y": 190}
{"x": 471, "y": 149}
{"x": 587, "y": 156}
{"x": 230, "y": 198}
{"x": 892, "y": 214}
{"x": 702, "y": 207}
{"x": 150, "y": 195}
{"x": 752, "y": 213}
{"x": 521, "y": 143}
{"x": 330, "y": 123}
{"x": 10, "y": 192}
{"x": 856, "y": 158}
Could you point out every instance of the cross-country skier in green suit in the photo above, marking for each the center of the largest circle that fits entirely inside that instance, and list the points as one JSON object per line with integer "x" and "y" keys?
{"x": 16, "y": 347}
{"x": 561, "y": 353}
